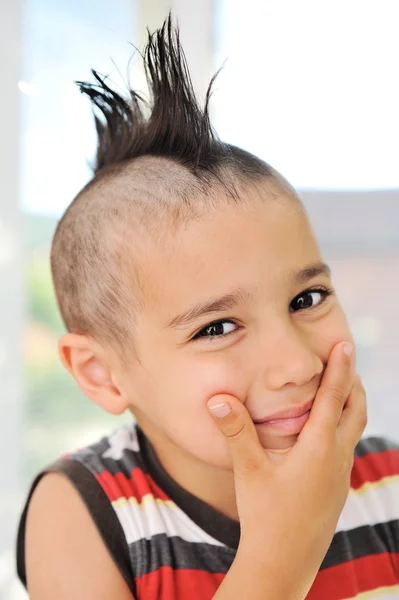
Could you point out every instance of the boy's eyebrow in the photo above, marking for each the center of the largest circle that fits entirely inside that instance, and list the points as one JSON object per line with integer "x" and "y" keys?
{"x": 304, "y": 275}
{"x": 213, "y": 305}
{"x": 239, "y": 296}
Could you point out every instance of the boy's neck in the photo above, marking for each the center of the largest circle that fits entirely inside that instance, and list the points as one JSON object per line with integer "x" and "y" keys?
{"x": 212, "y": 485}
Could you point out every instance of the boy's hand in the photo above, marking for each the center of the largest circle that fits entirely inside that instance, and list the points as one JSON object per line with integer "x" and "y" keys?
{"x": 289, "y": 504}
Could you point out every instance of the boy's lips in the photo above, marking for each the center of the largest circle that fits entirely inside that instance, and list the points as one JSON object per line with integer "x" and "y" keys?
{"x": 290, "y": 426}
{"x": 290, "y": 420}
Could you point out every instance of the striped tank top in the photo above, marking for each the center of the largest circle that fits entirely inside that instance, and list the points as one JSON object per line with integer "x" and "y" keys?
{"x": 169, "y": 545}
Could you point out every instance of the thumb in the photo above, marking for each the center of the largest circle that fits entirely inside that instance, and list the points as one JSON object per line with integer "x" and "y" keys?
{"x": 235, "y": 423}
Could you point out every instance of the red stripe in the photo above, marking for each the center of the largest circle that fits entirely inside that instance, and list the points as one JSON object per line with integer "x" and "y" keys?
{"x": 179, "y": 584}
{"x": 374, "y": 466}
{"x": 356, "y": 576}
{"x": 138, "y": 485}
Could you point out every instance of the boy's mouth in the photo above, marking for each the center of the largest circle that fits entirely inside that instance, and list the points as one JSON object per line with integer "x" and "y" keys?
{"x": 291, "y": 426}
{"x": 290, "y": 420}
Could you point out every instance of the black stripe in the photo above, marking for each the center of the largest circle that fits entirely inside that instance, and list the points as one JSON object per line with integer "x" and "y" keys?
{"x": 100, "y": 509}
{"x": 21, "y": 567}
{"x": 374, "y": 445}
{"x": 164, "y": 551}
{"x": 362, "y": 541}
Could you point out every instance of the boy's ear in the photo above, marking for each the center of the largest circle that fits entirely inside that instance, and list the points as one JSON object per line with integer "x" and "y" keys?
{"x": 79, "y": 357}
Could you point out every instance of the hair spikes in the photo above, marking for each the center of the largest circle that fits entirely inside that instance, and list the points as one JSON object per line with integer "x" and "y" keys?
{"x": 119, "y": 130}
{"x": 176, "y": 128}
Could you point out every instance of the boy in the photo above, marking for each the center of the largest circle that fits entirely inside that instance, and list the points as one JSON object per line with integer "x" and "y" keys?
{"x": 194, "y": 295}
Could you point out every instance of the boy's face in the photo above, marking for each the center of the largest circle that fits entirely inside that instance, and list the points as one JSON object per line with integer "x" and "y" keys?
{"x": 265, "y": 340}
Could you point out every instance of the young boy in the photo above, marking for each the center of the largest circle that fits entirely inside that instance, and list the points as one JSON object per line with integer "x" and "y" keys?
{"x": 195, "y": 296}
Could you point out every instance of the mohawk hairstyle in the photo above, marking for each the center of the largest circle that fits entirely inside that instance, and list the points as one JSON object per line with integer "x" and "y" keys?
{"x": 147, "y": 169}
{"x": 177, "y": 127}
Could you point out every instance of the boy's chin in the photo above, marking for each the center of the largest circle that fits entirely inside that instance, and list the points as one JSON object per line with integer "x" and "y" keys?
{"x": 278, "y": 444}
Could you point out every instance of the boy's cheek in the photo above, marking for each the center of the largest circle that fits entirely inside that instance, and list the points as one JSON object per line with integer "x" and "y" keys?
{"x": 328, "y": 339}
{"x": 209, "y": 378}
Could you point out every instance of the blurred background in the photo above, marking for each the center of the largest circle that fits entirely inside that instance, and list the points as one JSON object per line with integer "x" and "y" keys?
{"x": 310, "y": 86}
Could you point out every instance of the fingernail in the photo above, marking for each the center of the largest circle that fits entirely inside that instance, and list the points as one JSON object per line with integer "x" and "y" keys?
{"x": 220, "y": 410}
{"x": 348, "y": 349}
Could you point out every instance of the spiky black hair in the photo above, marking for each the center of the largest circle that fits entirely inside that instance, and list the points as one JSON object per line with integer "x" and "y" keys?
{"x": 177, "y": 127}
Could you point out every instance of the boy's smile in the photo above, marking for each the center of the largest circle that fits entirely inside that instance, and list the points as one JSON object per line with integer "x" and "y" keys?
{"x": 290, "y": 420}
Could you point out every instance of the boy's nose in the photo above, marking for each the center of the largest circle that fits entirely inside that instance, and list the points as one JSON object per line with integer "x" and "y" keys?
{"x": 290, "y": 361}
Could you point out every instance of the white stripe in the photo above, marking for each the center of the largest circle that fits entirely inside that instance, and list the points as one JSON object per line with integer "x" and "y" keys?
{"x": 393, "y": 596}
{"x": 389, "y": 596}
{"x": 391, "y": 593}
{"x": 371, "y": 506}
{"x": 124, "y": 438}
{"x": 156, "y": 517}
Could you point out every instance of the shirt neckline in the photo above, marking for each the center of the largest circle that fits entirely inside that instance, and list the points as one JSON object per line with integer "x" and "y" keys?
{"x": 214, "y": 523}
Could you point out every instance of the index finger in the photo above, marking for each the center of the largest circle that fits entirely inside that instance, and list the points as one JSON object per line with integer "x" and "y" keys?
{"x": 333, "y": 392}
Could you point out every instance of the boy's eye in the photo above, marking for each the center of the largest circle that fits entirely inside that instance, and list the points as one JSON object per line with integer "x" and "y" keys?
{"x": 309, "y": 299}
{"x": 217, "y": 329}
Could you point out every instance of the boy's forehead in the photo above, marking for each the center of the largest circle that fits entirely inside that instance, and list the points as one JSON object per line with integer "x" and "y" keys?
{"x": 247, "y": 248}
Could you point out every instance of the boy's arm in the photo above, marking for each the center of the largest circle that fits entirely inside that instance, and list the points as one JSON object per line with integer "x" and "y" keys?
{"x": 65, "y": 554}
